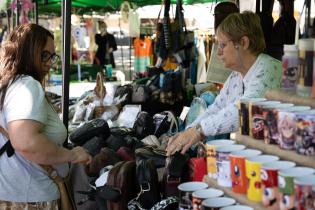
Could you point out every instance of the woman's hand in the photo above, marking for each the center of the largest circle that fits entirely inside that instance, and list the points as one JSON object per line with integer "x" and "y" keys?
{"x": 79, "y": 155}
{"x": 183, "y": 141}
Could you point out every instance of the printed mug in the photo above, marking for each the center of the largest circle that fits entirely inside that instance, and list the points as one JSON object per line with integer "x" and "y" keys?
{"x": 305, "y": 192}
{"x": 253, "y": 173}
{"x": 269, "y": 177}
{"x": 286, "y": 185}
{"x": 238, "y": 169}
{"x": 256, "y": 118}
{"x": 270, "y": 115}
{"x": 200, "y": 195}
{"x": 287, "y": 126}
{"x": 185, "y": 193}
{"x": 223, "y": 163}
{"x": 243, "y": 113}
{"x": 217, "y": 203}
{"x": 305, "y": 128}
{"x": 211, "y": 155}
{"x": 237, "y": 207}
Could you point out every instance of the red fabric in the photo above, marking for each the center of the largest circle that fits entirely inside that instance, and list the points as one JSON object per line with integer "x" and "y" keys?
{"x": 198, "y": 168}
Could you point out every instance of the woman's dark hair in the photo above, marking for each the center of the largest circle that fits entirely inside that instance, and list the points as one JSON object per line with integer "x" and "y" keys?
{"x": 20, "y": 55}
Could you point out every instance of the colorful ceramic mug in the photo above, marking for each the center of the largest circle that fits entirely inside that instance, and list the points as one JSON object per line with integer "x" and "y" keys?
{"x": 286, "y": 185}
{"x": 185, "y": 193}
{"x": 304, "y": 192}
{"x": 256, "y": 118}
{"x": 217, "y": 203}
{"x": 270, "y": 115}
{"x": 287, "y": 126}
{"x": 212, "y": 155}
{"x": 253, "y": 169}
{"x": 200, "y": 195}
{"x": 237, "y": 207}
{"x": 243, "y": 113}
{"x": 305, "y": 128}
{"x": 238, "y": 169}
{"x": 223, "y": 163}
{"x": 269, "y": 177}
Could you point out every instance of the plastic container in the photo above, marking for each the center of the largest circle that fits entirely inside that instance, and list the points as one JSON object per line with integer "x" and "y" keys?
{"x": 290, "y": 62}
{"x": 305, "y": 71}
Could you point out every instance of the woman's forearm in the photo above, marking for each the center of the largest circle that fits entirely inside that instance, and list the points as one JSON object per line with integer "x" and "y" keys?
{"x": 41, "y": 150}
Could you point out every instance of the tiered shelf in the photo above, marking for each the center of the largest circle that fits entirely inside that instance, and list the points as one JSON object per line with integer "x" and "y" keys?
{"x": 240, "y": 198}
{"x": 302, "y": 160}
{"x": 308, "y": 161}
{"x": 289, "y": 97}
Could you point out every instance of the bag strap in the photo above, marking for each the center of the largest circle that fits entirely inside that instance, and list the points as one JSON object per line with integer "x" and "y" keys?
{"x": 163, "y": 204}
{"x": 7, "y": 147}
{"x": 173, "y": 122}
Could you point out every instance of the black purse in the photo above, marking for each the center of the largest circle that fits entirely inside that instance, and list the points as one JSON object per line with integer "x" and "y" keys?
{"x": 149, "y": 184}
{"x": 89, "y": 130}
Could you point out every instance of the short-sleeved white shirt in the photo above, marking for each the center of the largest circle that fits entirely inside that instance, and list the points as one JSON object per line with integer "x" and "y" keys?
{"x": 22, "y": 180}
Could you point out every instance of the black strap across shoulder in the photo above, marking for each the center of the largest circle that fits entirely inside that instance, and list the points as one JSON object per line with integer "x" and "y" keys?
{"x": 7, "y": 147}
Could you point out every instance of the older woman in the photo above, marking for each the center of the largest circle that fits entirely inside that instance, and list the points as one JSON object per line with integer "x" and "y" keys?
{"x": 240, "y": 46}
{"x": 35, "y": 132}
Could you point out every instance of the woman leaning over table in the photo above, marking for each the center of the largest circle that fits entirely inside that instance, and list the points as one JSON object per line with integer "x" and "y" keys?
{"x": 35, "y": 131}
{"x": 240, "y": 46}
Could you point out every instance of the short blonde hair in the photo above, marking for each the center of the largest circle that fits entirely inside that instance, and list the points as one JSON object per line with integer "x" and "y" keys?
{"x": 247, "y": 23}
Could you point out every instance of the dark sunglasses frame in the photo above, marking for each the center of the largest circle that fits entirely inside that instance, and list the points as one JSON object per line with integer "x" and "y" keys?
{"x": 46, "y": 56}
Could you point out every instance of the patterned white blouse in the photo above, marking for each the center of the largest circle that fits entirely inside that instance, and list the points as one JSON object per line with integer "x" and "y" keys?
{"x": 222, "y": 116}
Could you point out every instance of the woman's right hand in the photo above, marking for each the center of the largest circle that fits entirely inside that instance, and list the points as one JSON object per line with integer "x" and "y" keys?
{"x": 79, "y": 155}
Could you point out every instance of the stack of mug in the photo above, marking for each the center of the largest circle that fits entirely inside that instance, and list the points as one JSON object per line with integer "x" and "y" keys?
{"x": 291, "y": 127}
{"x": 258, "y": 175}
{"x": 197, "y": 196}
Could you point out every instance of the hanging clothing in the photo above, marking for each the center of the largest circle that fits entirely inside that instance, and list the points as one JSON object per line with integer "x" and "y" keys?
{"x": 201, "y": 68}
{"x": 103, "y": 56}
{"x": 143, "y": 52}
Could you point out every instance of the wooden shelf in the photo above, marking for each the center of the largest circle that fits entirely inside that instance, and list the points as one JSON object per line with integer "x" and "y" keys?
{"x": 241, "y": 198}
{"x": 308, "y": 161}
{"x": 289, "y": 97}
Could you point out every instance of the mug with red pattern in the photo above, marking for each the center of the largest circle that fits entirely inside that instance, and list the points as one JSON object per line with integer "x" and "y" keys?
{"x": 269, "y": 177}
{"x": 305, "y": 192}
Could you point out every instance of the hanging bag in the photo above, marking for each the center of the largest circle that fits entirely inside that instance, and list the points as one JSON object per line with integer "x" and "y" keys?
{"x": 163, "y": 32}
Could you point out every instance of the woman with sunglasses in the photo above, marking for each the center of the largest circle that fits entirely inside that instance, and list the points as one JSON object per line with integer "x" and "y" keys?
{"x": 32, "y": 134}
{"x": 240, "y": 46}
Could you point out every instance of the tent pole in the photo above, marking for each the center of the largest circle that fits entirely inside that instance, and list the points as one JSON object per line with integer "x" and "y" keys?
{"x": 18, "y": 9}
{"x": 36, "y": 11}
{"x": 66, "y": 31}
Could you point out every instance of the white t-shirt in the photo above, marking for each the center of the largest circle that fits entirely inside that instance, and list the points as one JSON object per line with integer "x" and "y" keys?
{"x": 22, "y": 180}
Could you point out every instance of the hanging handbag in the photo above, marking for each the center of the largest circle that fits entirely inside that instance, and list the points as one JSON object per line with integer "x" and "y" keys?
{"x": 66, "y": 200}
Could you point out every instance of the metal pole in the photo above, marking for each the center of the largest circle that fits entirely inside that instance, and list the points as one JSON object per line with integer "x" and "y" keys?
{"x": 18, "y": 9}
{"x": 66, "y": 30}
{"x": 130, "y": 47}
{"x": 36, "y": 11}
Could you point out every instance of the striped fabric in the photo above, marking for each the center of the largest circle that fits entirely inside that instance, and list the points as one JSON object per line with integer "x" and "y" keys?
{"x": 222, "y": 116}
{"x": 48, "y": 205}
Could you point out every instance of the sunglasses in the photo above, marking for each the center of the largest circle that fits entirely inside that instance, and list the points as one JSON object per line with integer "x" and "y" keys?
{"x": 46, "y": 56}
